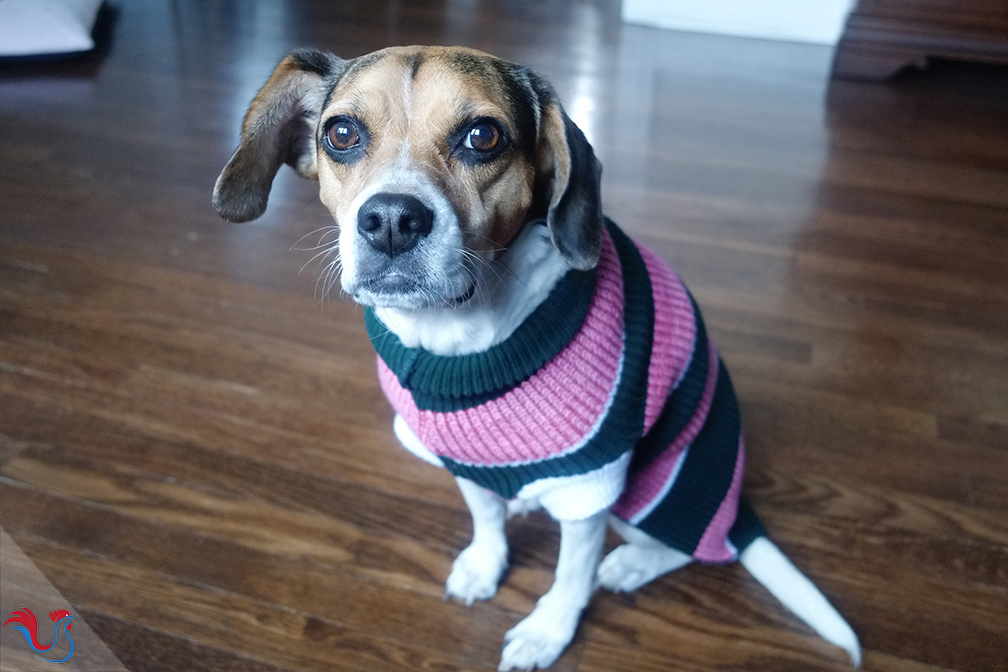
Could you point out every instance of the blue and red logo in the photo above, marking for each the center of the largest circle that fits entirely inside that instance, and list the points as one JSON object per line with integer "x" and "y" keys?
{"x": 28, "y": 627}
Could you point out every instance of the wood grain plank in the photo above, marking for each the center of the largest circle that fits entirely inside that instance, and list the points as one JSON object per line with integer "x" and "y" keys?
{"x": 146, "y": 649}
{"x": 281, "y": 637}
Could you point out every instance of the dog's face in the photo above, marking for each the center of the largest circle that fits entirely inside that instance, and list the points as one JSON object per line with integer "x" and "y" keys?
{"x": 430, "y": 160}
{"x": 426, "y": 157}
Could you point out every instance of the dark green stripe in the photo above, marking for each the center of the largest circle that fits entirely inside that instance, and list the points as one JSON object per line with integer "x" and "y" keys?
{"x": 747, "y": 527}
{"x": 450, "y": 383}
{"x": 682, "y": 401}
{"x": 706, "y": 474}
{"x": 624, "y": 424}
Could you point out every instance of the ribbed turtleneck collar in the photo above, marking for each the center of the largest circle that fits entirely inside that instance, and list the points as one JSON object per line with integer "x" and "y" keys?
{"x": 443, "y": 383}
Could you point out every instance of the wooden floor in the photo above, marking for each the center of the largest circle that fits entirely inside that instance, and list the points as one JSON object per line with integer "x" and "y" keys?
{"x": 195, "y": 452}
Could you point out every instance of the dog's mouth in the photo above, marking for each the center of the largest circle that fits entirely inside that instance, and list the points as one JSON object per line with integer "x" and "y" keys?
{"x": 398, "y": 291}
{"x": 460, "y": 301}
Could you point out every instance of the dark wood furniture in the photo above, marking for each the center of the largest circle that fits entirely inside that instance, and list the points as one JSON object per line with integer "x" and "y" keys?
{"x": 883, "y": 37}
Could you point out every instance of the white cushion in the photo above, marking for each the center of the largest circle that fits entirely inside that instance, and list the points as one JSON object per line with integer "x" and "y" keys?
{"x": 35, "y": 27}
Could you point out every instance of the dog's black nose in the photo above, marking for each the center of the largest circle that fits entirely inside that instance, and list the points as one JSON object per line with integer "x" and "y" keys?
{"x": 394, "y": 223}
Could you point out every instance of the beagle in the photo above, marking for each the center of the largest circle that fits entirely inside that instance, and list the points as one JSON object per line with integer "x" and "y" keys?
{"x": 526, "y": 343}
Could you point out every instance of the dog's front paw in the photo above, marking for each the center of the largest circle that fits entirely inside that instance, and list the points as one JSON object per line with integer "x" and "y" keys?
{"x": 475, "y": 574}
{"x": 538, "y": 640}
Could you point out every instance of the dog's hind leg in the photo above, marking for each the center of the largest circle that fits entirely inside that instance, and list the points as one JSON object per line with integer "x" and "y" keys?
{"x": 478, "y": 569}
{"x": 639, "y": 561}
{"x": 643, "y": 559}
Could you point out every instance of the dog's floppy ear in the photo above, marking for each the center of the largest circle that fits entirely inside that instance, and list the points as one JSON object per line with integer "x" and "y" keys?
{"x": 569, "y": 179}
{"x": 279, "y": 128}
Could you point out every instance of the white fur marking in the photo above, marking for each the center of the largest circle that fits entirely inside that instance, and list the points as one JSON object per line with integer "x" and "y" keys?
{"x": 639, "y": 561}
{"x": 581, "y": 495}
{"x": 441, "y": 251}
{"x": 770, "y": 567}
{"x": 630, "y": 566}
{"x": 539, "y": 639}
{"x": 508, "y": 292}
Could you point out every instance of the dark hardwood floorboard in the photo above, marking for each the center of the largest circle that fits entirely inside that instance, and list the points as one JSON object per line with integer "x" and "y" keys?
{"x": 145, "y": 649}
{"x": 195, "y": 451}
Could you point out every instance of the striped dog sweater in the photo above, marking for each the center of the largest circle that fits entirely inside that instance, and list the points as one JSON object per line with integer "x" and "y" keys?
{"x": 610, "y": 394}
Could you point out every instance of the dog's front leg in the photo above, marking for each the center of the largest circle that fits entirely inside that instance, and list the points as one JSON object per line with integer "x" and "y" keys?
{"x": 539, "y": 639}
{"x": 478, "y": 569}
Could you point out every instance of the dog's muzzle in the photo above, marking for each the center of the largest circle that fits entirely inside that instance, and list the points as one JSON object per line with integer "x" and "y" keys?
{"x": 406, "y": 252}
{"x": 394, "y": 223}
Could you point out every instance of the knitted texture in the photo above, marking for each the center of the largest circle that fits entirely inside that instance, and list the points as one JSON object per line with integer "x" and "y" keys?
{"x": 538, "y": 418}
{"x": 609, "y": 395}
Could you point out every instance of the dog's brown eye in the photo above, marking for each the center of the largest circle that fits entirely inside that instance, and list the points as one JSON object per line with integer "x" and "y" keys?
{"x": 345, "y": 139}
{"x": 483, "y": 137}
{"x": 343, "y": 135}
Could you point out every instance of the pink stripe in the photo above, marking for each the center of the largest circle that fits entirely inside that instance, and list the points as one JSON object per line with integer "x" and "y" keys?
{"x": 547, "y": 414}
{"x": 712, "y": 546}
{"x": 674, "y": 332}
{"x": 646, "y": 485}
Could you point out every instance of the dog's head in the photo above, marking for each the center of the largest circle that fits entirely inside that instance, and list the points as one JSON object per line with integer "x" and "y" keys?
{"x": 430, "y": 159}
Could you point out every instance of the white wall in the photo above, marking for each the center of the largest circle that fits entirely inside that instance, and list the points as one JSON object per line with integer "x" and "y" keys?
{"x": 816, "y": 21}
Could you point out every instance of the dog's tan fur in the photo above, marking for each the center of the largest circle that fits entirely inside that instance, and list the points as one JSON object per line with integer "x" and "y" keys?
{"x": 411, "y": 99}
{"x": 412, "y": 112}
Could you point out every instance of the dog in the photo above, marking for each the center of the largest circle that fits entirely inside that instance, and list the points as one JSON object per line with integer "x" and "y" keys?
{"x": 526, "y": 343}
